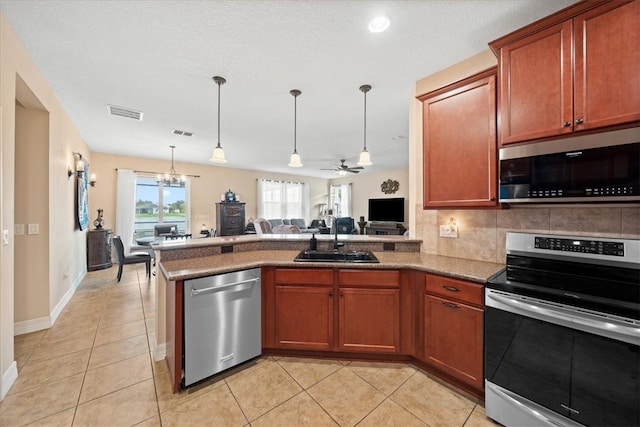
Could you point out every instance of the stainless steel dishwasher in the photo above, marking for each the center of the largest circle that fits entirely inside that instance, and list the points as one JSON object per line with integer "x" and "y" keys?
{"x": 222, "y": 323}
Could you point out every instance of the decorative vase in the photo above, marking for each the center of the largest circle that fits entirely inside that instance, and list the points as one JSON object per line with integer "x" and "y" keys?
{"x": 99, "y": 221}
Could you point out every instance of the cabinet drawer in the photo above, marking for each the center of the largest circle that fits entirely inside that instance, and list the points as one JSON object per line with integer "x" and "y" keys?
{"x": 454, "y": 289}
{"x": 369, "y": 278}
{"x": 304, "y": 276}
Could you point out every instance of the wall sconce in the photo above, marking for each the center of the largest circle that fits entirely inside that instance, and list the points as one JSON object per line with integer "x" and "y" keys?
{"x": 79, "y": 169}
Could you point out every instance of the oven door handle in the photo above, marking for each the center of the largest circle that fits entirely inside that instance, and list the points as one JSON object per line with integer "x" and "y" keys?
{"x": 564, "y": 316}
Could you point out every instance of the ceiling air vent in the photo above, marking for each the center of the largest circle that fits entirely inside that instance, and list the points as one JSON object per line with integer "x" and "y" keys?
{"x": 181, "y": 132}
{"x": 124, "y": 112}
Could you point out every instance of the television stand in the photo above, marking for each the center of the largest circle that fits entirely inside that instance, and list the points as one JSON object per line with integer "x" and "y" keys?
{"x": 386, "y": 228}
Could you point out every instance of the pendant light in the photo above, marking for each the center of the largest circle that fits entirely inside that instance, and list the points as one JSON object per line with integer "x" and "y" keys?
{"x": 218, "y": 152}
{"x": 295, "y": 162}
{"x": 365, "y": 158}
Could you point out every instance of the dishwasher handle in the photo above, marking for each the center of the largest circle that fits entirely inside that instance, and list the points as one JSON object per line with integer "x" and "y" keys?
{"x": 195, "y": 292}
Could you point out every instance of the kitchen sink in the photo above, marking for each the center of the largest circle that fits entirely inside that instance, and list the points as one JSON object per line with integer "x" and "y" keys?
{"x": 336, "y": 256}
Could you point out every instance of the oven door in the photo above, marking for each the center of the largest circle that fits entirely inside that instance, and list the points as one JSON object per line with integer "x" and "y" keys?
{"x": 577, "y": 365}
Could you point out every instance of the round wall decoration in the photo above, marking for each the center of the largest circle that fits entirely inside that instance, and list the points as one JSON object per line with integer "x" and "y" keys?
{"x": 389, "y": 186}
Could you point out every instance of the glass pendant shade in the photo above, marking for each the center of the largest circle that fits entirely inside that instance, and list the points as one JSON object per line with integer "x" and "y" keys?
{"x": 218, "y": 155}
{"x": 172, "y": 179}
{"x": 365, "y": 158}
{"x": 294, "y": 161}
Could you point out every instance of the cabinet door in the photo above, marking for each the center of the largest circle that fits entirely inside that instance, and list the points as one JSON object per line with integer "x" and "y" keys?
{"x": 536, "y": 86}
{"x": 607, "y": 65}
{"x": 453, "y": 338}
{"x": 460, "y": 145}
{"x": 304, "y": 317}
{"x": 369, "y": 320}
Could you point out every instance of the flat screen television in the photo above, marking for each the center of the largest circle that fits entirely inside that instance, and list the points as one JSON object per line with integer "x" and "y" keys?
{"x": 390, "y": 209}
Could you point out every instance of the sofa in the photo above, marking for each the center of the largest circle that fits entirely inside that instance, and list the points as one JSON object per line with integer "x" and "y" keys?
{"x": 263, "y": 226}
{"x": 298, "y": 222}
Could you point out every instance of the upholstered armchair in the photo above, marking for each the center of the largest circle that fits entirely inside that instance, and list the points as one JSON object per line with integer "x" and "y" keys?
{"x": 346, "y": 225}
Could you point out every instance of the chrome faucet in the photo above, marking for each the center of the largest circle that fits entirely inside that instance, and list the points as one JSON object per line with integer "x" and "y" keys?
{"x": 336, "y": 244}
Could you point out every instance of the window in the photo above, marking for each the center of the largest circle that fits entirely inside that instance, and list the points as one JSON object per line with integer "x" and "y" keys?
{"x": 280, "y": 199}
{"x": 340, "y": 200}
{"x": 159, "y": 204}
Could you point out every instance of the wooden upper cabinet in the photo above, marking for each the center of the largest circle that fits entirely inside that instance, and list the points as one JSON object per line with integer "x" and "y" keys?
{"x": 575, "y": 70}
{"x": 459, "y": 143}
{"x": 607, "y": 71}
{"x": 536, "y": 86}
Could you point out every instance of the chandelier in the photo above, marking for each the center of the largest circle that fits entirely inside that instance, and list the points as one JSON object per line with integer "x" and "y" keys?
{"x": 171, "y": 179}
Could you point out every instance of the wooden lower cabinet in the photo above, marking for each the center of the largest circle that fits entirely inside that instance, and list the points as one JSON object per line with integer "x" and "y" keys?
{"x": 369, "y": 320}
{"x": 333, "y": 310}
{"x": 304, "y": 317}
{"x": 453, "y": 328}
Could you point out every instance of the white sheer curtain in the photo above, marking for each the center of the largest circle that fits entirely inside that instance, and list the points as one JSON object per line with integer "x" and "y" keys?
{"x": 280, "y": 199}
{"x": 340, "y": 200}
{"x": 125, "y": 207}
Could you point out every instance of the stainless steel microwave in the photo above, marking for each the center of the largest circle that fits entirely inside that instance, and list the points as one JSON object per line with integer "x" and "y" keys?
{"x": 601, "y": 167}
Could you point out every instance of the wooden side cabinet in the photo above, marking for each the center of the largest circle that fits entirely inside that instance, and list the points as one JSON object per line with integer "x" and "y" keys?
{"x": 459, "y": 144}
{"x": 453, "y": 328}
{"x": 369, "y": 311}
{"x": 304, "y": 313}
{"x": 573, "y": 71}
{"x": 230, "y": 218}
{"x": 98, "y": 249}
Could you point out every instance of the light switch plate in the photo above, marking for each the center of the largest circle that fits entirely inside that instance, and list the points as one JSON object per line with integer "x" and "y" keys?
{"x": 18, "y": 229}
{"x": 449, "y": 231}
{"x": 34, "y": 229}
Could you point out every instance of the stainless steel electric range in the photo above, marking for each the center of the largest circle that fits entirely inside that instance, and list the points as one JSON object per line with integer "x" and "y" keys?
{"x": 562, "y": 332}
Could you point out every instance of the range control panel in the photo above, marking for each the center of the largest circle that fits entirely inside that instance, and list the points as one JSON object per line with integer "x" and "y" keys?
{"x": 582, "y": 246}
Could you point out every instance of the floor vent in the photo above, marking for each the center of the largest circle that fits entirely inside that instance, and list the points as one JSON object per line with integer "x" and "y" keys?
{"x": 124, "y": 112}
{"x": 181, "y": 132}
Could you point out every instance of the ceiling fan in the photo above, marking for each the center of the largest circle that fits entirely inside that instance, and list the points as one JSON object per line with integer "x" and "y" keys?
{"x": 342, "y": 168}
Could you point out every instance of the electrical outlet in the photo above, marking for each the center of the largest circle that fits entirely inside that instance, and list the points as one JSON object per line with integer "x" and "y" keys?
{"x": 450, "y": 231}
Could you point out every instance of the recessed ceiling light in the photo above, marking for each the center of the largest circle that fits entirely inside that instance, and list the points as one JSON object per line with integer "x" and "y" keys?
{"x": 379, "y": 24}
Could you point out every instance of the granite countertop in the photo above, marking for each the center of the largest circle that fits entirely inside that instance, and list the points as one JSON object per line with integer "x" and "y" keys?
{"x": 465, "y": 269}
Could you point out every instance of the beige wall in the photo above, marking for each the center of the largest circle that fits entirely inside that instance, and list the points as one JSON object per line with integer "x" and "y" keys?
{"x": 32, "y": 175}
{"x": 481, "y": 233}
{"x": 62, "y": 251}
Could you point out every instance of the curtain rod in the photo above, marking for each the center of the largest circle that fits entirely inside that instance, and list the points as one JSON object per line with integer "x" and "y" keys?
{"x": 277, "y": 180}
{"x": 162, "y": 173}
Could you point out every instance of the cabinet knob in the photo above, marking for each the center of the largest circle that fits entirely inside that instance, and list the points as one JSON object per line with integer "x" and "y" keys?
{"x": 330, "y": 293}
{"x": 579, "y": 121}
{"x": 492, "y": 199}
{"x": 566, "y": 124}
{"x": 341, "y": 294}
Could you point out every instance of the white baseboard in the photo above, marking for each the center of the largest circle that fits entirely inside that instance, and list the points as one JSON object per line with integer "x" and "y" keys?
{"x": 33, "y": 325}
{"x": 55, "y": 313}
{"x": 8, "y": 378}
{"x": 159, "y": 352}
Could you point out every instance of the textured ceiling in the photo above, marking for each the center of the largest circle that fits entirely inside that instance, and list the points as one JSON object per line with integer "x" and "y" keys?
{"x": 158, "y": 57}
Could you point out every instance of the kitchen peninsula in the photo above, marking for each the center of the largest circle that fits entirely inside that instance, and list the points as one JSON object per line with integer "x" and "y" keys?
{"x": 381, "y": 311}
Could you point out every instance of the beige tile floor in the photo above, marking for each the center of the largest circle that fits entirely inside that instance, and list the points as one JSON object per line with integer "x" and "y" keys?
{"x": 94, "y": 368}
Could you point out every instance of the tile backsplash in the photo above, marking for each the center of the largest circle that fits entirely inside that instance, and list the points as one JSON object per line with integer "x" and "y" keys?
{"x": 482, "y": 233}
